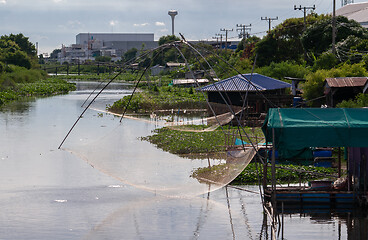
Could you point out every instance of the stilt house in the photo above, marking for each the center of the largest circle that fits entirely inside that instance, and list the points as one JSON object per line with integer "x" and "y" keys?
{"x": 254, "y": 92}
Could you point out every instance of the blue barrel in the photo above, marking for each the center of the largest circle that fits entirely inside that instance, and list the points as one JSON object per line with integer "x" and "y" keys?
{"x": 322, "y": 153}
{"x": 276, "y": 154}
{"x": 297, "y": 102}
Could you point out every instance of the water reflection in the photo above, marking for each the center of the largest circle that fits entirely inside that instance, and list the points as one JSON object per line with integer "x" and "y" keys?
{"x": 51, "y": 194}
{"x": 21, "y": 107}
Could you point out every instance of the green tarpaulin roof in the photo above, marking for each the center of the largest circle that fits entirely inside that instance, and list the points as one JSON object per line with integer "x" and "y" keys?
{"x": 298, "y": 128}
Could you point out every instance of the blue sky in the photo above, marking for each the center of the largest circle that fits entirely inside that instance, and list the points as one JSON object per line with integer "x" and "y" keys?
{"x": 52, "y": 23}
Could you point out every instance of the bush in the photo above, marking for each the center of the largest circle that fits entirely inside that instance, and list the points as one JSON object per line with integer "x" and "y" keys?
{"x": 361, "y": 100}
{"x": 284, "y": 69}
{"x": 325, "y": 61}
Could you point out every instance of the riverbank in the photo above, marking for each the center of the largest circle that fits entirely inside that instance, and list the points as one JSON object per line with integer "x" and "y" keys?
{"x": 41, "y": 88}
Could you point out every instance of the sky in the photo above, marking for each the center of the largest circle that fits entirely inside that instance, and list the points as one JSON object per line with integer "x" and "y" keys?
{"x": 52, "y": 23}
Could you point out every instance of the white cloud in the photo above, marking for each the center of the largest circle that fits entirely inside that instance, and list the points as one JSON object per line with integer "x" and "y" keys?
{"x": 164, "y": 30}
{"x": 159, "y": 24}
{"x": 140, "y": 24}
{"x": 3, "y": 1}
{"x": 57, "y": 1}
{"x": 72, "y": 24}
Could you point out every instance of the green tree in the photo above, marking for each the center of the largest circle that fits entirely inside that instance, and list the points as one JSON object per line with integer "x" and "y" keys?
{"x": 361, "y": 100}
{"x": 130, "y": 54}
{"x": 10, "y": 53}
{"x": 317, "y": 39}
{"x": 284, "y": 69}
{"x": 55, "y": 53}
{"x": 23, "y": 42}
{"x": 167, "y": 39}
{"x": 103, "y": 59}
{"x": 283, "y": 43}
{"x": 313, "y": 87}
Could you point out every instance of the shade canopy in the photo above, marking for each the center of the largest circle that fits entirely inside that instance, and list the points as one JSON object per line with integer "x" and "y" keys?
{"x": 299, "y": 128}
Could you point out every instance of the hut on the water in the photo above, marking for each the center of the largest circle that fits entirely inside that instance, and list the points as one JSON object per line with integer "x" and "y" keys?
{"x": 254, "y": 92}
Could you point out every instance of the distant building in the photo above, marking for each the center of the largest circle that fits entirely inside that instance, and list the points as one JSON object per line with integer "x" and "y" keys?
{"x": 90, "y": 45}
{"x": 190, "y": 82}
{"x": 157, "y": 69}
{"x": 355, "y": 11}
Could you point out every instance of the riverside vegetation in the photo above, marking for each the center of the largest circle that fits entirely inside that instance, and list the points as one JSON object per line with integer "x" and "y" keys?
{"x": 191, "y": 143}
{"x": 20, "y": 73}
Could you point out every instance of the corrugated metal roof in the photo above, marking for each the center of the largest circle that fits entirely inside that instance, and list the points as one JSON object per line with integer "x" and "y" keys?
{"x": 346, "y": 82}
{"x": 241, "y": 83}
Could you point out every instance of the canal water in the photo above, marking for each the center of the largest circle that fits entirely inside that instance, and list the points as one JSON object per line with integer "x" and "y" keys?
{"x": 48, "y": 193}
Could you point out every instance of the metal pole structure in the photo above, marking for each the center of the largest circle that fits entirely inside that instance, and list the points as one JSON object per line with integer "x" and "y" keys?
{"x": 242, "y": 28}
{"x": 269, "y": 21}
{"x": 220, "y": 34}
{"x": 305, "y": 13}
{"x": 172, "y": 13}
{"x": 334, "y": 27}
{"x": 226, "y": 31}
{"x": 217, "y": 38}
{"x": 305, "y": 20}
{"x": 273, "y": 162}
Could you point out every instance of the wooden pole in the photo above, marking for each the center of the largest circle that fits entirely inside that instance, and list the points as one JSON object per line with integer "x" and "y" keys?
{"x": 334, "y": 27}
{"x": 339, "y": 166}
{"x": 273, "y": 160}
{"x": 273, "y": 169}
{"x": 348, "y": 169}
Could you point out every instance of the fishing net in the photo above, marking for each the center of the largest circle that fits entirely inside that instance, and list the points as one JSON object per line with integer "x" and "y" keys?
{"x": 117, "y": 150}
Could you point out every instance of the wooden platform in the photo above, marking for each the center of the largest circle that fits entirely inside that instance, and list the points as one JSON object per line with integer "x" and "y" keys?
{"x": 298, "y": 196}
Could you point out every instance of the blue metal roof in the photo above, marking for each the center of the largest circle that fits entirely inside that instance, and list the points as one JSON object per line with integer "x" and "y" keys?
{"x": 241, "y": 83}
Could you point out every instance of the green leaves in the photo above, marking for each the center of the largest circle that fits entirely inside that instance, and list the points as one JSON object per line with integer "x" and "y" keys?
{"x": 160, "y": 98}
{"x": 182, "y": 142}
{"x": 296, "y": 174}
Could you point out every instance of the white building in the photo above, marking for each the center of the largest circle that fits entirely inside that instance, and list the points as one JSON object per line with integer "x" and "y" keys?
{"x": 355, "y": 11}
{"x": 90, "y": 45}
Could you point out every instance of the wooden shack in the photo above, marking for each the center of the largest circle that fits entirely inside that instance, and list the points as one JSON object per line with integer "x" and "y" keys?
{"x": 254, "y": 92}
{"x": 343, "y": 88}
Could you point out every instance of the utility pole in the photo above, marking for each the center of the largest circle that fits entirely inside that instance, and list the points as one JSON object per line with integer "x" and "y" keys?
{"x": 243, "y": 28}
{"x": 305, "y": 13}
{"x": 304, "y": 9}
{"x": 217, "y": 38}
{"x": 226, "y": 31}
{"x": 220, "y": 35}
{"x": 334, "y": 27}
{"x": 243, "y": 34}
{"x": 269, "y": 21}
